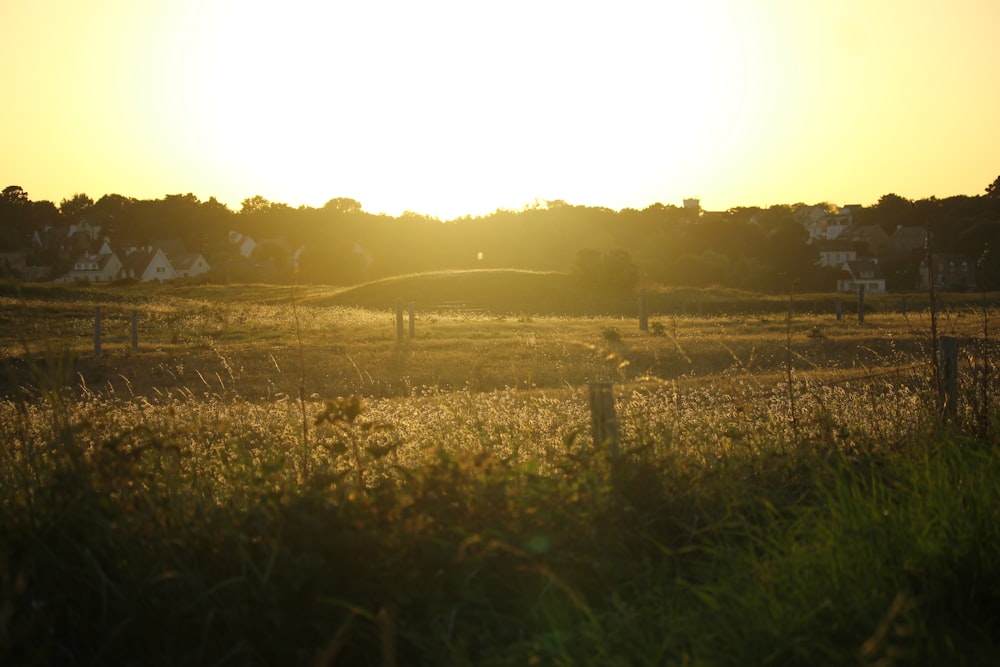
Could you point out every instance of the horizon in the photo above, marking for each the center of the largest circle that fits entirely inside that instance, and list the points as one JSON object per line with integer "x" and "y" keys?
{"x": 528, "y": 205}
{"x": 448, "y": 110}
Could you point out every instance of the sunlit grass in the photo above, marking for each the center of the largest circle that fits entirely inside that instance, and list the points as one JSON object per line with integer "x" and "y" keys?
{"x": 445, "y": 503}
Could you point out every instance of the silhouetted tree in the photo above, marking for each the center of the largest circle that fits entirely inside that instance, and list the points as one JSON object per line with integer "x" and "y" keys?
{"x": 893, "y": 211}
{"x": 14, "y": 194}
{"x": 15, "y": 218}
{"x": 255, "y": 204}
{"x": 342, "y": 205}
{"x": 109, "y": 211}
{"x": 993, "y": 189}
{"x": 74, "y": 207}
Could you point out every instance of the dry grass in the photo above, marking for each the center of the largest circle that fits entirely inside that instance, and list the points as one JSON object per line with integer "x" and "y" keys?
{"x": 165, "y": 505}
{"x": 253, "y": 349}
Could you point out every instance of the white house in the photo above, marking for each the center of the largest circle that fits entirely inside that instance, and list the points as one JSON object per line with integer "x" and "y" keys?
{"x": 188, "y": 265}
{"x": 835, "y": 253}
{"x": 98, "y": 268}
{"x": 866, "y": 272}
{"x": 244, "y": 244}
{"x": 148, "y": 264}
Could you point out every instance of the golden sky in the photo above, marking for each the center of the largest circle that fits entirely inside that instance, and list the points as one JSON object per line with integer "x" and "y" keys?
{"x": 454, "y": 107}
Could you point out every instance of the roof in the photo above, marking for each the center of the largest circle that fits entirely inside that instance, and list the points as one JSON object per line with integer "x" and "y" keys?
{"x": 185, "y": 261}
{"x": 858, "y": 267}
{"x": 138, "y": 261}
{"x": 833, "y": 245}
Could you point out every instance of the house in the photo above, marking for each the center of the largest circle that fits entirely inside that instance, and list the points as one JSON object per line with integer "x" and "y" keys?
{"x": 244, "y": 244}
{"x": 862, "y": 272}
{"x": 811, "y": 215}
{"x": 870, "y": 240}
{"x": 66, "y": 241}
{"x": 907, "y": 241}
{"x": 835, "y": 252}
{"x": 186, "y": 264}
{"x": 93, "y": 267}
{"x": 824, "y": 230}
{"x": 822, "y": 223}
{"x": 951, "y": 272}
{"x": 146, "y": 265}
{"x": 189, "y": 265}
{"x": 87, "y": 228}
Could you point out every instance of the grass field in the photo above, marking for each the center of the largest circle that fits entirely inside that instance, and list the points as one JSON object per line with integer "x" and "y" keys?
{"x": 274, "y": 477}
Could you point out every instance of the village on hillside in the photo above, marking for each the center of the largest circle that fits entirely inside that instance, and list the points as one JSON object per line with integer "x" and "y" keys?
{"x": 843, "y": 244}
{"x": 98, "y": 259}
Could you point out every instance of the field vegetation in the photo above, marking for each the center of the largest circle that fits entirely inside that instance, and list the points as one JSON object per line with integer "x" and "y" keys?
{"x": 274, "y": 476}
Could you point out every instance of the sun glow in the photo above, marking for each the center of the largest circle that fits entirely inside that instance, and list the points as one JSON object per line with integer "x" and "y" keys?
{"x": 448, "y": 110}
{"x": 451, "y": 108}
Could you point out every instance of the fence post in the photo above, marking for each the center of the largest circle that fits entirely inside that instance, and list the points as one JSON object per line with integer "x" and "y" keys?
{"x": 643, "y": 313}
{"x": 399, "y": 319}
{"x": 412, "y": 308}
{"x": 948, "y": 387}
{"x": 97, "y": 331}
{"x": 839, "y": 306}
{"x": 861, "y": 304}
{"x": 603, "y": 419}
{"x": 135, "y": 329}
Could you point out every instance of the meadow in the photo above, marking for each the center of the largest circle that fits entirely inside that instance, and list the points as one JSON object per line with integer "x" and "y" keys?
{"x": 275, "y": 477}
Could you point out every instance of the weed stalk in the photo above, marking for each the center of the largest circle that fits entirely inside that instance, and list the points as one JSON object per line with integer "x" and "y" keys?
{"x": 302, "y": 378}
{"x": 982, "y": 416}
{"x": 935, "y": 341}
{"x": 792, "y": 415}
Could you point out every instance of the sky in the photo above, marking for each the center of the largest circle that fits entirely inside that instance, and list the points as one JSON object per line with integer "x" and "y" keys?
{"x": 458, "y": 107}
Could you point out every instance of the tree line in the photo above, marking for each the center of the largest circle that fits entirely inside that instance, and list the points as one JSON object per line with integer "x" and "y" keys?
{"x": 340, "y": 243}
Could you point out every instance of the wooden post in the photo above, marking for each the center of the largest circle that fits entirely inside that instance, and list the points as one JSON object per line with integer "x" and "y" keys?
{"x": 948, "y": 389}
{"x": 861, "y": 304}
{"x": 412, "y": 308}
{"x": 135, "y": 329}
{"x": 643, "y": 313}
{"x": 839, "y": 305}
{"x": 399, "y": 319}
{"x": 603, "y": 419}
{"x": 904, "y": 307}
{"x": 97, "y": 331}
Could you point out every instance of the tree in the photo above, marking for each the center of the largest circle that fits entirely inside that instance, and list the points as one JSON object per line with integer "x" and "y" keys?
{"x": 790, "y": 256}
{"x": 15, "y": 217}
{"x": 75, "y": 206}
{"x": 14, "y": 194}
{"x": 255, "y": 204}
{"x": 109, "y": 210}
{"x": 343, "y": 205}
{"x": 993, "y": 189}
{"x": 893, "y": 211}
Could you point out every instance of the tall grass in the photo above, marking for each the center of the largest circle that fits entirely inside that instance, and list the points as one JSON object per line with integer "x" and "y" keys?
{"x": 470, "y": 528}
{"x": 191, "y": 521}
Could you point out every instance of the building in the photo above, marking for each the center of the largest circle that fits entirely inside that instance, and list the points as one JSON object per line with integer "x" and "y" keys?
{"x": 146, "y": 265}
{"x": 951, "y": 272}
{"x": 835, "y": 253}
{"x": 97, "y": 268}
{"x": 862, "y": 272}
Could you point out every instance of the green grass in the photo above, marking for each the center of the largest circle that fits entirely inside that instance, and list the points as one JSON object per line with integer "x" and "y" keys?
{"x": 181, "y": 505}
